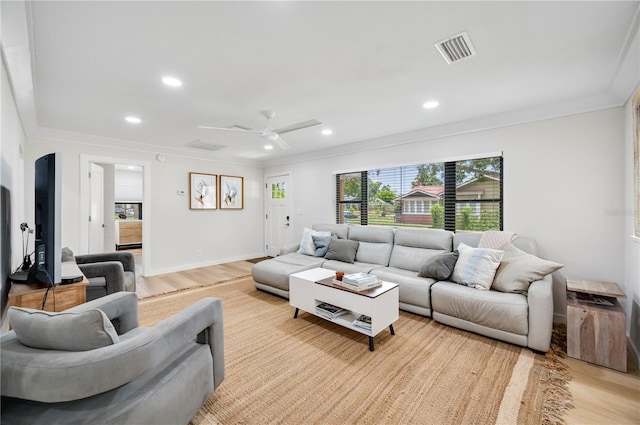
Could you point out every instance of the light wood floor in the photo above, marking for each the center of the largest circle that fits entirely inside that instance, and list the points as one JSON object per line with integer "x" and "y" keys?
{"x": 600, "y": 395}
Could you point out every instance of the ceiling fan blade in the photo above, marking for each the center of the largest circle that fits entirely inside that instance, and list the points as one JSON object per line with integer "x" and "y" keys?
{"x": 297, "y": 126}
{"x": 281, "y": 143}
{"x": 229, "y": 129}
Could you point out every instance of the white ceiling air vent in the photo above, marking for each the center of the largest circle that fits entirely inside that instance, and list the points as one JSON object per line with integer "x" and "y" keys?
{"x": 456, "y": 48}
{"x": 204, "y": 145}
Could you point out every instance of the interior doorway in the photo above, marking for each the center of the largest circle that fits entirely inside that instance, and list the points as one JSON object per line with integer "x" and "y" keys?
{"x": 137, "y": 207}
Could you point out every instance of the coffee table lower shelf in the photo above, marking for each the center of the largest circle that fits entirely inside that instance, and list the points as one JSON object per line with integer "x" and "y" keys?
{"x": 347, "y": 324}
{"x": 380, "y": 304}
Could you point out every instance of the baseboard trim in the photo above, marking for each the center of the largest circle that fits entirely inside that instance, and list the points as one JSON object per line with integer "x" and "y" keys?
{"x": 181, "y": 268}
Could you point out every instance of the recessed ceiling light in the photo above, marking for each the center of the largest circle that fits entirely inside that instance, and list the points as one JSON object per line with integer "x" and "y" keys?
{"x": 171, "y": 81}
{"x": 133, "y": 120}
{"x": 327, "y": 132}
{"x": 430, "y": 104}
{"x": 268, "y": 147}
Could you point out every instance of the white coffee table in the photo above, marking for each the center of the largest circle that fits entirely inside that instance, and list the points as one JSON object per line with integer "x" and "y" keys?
{"x": 380, "y": 304}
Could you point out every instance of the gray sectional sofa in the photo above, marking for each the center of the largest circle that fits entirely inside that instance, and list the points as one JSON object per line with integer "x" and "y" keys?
{"x": 397, "y": 255}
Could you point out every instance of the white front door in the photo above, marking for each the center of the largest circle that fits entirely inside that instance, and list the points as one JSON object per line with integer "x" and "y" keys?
{"x": 277, "y": 213}
{"x": 96, "y": 210}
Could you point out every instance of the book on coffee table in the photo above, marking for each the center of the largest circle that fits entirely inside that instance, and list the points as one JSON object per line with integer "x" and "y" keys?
{"x": 330, "y": 311}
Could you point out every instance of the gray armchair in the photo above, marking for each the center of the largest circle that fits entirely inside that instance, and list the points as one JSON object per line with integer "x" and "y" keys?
{"x": 157, "y": 375}
{"x": 108, "y": 273}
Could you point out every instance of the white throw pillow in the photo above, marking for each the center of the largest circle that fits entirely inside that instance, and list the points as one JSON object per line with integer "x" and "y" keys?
{"x": 63, "y": 331}
{"x": 476, "y": 267}
{"x": 518, "y": 269}
{"x": 307, "y": 246}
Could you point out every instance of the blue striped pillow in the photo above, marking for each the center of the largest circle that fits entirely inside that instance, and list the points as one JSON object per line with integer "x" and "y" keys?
{"x": 476, "y": 267}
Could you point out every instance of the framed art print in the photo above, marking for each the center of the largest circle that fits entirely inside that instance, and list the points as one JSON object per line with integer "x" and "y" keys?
{"x": 231, "y": 192}
{"x": 203, "y": 191}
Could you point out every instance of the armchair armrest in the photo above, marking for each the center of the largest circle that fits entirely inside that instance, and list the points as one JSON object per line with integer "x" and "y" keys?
{"x": 112, "y": 271}
{"x": 121, "y": 306}
{"x": 540, "y": 299}
{"x": 204, "y": 320}
{"x": 126, "y": 258}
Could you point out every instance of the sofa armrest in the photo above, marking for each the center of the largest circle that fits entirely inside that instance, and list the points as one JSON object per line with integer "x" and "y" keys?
{"x": 540, "y": 299}
{"x": 121, "y": 306}
{"x": 126, "y": 258}
{"x": 287, "y": 249}
{"x": 203, "y": 321}
{"x": 112, "y": 271}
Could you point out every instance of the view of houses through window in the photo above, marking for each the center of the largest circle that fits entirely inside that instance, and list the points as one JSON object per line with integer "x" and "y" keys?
{"x": 457, "y": 195}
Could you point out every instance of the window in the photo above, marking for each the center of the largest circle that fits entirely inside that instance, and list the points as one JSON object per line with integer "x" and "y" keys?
{"x": 457, "y": 195}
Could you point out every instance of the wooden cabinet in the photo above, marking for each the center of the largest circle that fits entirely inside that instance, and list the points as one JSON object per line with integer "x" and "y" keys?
{"x": 596, "y": 333}
{"x": 63, "y": 296}
{"x": 129, "y": 233}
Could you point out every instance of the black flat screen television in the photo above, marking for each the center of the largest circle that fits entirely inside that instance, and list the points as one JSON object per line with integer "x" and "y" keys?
{"x": 48, "y": 249}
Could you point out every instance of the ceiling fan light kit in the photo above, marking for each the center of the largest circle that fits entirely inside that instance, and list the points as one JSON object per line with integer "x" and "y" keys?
{"x": 268, "y": 133}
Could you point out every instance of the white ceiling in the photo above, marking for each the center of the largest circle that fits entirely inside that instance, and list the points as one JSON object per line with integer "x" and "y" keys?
{"x": 362, "y": 68}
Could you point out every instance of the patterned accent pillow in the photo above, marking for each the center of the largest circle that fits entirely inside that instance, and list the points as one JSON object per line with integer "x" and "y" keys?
{"x": 495, "y": 239}
{"x": 306, "y": 243}
{"x": 476, "y": 267}
{"x": 322, "y": 244}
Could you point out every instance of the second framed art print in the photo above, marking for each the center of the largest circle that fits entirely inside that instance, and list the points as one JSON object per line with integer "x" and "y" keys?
{"x": 231, "y": 192}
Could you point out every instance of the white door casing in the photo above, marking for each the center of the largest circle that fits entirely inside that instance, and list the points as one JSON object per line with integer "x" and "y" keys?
{"x": 278, "y": 217}
{"x": 96, "y": 210}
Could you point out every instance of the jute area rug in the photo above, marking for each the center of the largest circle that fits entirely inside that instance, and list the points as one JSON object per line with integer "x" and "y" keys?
{"x": 280, "y": 370}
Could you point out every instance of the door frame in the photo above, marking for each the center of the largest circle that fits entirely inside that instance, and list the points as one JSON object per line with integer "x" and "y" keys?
{"x": 93, "y": 167}
{"x": 85, "y": 160}
{"x": 266, "y": 203}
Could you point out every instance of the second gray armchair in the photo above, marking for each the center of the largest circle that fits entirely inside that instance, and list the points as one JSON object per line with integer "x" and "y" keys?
{"x": 107, "y": 272}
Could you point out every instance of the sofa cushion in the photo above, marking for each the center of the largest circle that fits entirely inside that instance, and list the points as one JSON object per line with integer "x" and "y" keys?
{"x": 339, "y": 230}
{"x": 493, "y": 309}
{"x": 518, "y": 269}
{"x": 476, "y": 267}
{"x": 306, "y": 243}
{"x": 322, "y": 245}
{"x": 495, "y": 239}
{"x": 412, "y": 289}
{"x": 412, "y": 247}
{"x": 439, "y": 267}
{"x": 62, "y": 331}
{"x": 376, "y": 244}
{"x": 342, "y": 250}
{"x": 348, "y": 268}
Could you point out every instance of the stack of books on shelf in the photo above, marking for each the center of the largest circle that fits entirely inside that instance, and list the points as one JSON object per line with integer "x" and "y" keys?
{"x": 363, "y": 322}
{"x": 330, "y": 311}
{"x": 359, "y": 281}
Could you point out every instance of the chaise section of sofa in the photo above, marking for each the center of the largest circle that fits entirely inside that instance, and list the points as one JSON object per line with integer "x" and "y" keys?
{"x": 273, "y": 275}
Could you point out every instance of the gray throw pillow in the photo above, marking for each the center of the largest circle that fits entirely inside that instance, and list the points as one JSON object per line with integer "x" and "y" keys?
{"x": 322, "y": 245}
{"x": 67, "y": 254}
{"x": 342, "y": 250}
{"x": 518, "y": 269}
{"x": 439, "y": 267}
{"x": 63, "y": 331}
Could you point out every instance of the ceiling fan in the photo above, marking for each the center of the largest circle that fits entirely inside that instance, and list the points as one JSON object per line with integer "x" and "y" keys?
{"x": 269, "y": 132}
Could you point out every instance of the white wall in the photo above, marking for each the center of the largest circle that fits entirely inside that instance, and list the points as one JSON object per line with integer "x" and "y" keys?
{"x": 632, "y": 243}
{"x": 179, "y": 238}
{"x": 12, "y": 138}
{"x": 561, "y": 178}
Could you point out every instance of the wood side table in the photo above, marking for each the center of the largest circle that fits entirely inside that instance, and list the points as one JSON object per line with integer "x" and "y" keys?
{"x": 596, "y": 333}
{"x": 31, "y": 295}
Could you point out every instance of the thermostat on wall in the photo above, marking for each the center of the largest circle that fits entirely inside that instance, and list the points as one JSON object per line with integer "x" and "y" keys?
{"x": 181, "y": 192}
